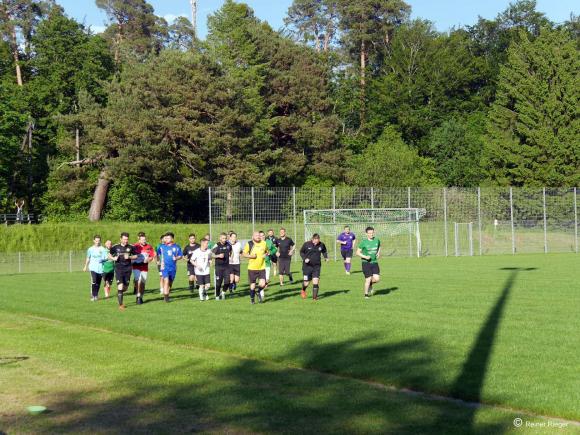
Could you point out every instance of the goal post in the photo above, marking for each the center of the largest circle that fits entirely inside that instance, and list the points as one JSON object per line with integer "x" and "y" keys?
{"x": 399, "y": 227}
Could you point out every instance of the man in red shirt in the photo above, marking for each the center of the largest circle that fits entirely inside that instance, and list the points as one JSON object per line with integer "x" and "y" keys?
{"x": 145, "y": 254}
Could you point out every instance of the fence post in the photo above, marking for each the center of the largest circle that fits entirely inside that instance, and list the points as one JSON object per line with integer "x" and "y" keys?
{"x": 70, "y": 261}
{"x": 410, "y": 216}
{"x": 334, "y": 218}
{"x": 479, "y": 220}
{"x": 209, "y": 207}
{"x": 456, "y": 238}
{"x": 373, "y": 204}
{"x": 575, "y": 220}
{"x": 19, "y": 262}
{"x": 253, "y": 212}
{"x": 445, "y": 220}
{"x": 294, "y": 215}
{"x": 470, "y": 228}
{"x": 545, "y": 224}
{"x": 512, "y": 221}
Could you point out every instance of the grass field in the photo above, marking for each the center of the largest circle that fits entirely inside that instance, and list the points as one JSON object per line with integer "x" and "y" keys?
{"x": 499, "y": 331}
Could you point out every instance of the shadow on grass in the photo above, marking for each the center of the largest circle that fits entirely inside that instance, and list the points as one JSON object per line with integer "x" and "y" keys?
{"x": 386, "y": 291}
{"x": 6, "y": 360}
{"x": 248, "y": 396}
{"x": 251, "y": 396}
{"x": 324, "y": 295}
{"x": 470, "y": 382}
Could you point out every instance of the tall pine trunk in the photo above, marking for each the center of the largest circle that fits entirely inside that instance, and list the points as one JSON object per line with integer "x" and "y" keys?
{"x": 99, "y": 197}
{"x": 16, "y": 57}
{"x": 363, "y": 82}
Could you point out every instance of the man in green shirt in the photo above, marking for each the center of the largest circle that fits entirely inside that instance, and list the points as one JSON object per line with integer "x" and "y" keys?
{"x": 369, "y": 250}
{"x": 210, "y": 244}
{"x": 272, "y": 250}
{"x": 108, "y": 270}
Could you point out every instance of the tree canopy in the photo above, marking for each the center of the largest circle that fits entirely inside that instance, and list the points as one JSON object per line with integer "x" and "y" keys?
{"x": 136, "y": 122}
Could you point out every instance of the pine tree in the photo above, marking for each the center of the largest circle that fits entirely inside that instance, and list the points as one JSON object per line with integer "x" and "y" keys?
{"x": 534, "y": 125}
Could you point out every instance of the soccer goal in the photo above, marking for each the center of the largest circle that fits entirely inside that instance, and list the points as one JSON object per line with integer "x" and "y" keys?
{"x": 398, "y": 227}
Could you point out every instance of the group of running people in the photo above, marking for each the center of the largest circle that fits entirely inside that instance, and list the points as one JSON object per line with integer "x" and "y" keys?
{"x": 266, "y": 253}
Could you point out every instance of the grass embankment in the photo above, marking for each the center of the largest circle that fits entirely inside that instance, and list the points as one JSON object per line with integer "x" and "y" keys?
{"x": 77, "y": 236}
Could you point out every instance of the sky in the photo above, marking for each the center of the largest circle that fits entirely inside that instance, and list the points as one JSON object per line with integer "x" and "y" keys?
{"x": 444, "y": 13}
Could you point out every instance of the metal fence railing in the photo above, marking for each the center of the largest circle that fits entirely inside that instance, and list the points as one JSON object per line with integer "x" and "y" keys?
{"x": 458, "y": 221}
{"x": 42, "y": 262}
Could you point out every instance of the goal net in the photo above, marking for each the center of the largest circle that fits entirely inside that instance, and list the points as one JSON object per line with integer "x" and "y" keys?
{"x": 398, "y": 227}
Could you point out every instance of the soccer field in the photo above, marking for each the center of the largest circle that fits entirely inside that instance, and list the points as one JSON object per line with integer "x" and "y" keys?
{"x": 501, "y": 332}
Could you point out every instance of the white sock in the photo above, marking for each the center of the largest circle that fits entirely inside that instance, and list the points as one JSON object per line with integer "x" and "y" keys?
{"x": 262, "y": 294}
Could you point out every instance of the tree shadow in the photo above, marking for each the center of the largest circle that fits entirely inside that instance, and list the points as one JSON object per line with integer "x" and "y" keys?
{"x": 470, "y": 382}
{"x": 334, "y": 393}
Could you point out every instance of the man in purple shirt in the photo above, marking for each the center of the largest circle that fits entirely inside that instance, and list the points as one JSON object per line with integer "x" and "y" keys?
{"x": 346, "y": 239}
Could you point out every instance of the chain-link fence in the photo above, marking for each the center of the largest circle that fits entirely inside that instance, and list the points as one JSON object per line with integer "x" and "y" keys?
{"x": 458, "y": 221}
{"x": 41, "y": 262}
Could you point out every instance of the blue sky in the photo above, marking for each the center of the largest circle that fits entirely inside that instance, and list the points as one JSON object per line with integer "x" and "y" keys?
{"x": 444, "y": 13}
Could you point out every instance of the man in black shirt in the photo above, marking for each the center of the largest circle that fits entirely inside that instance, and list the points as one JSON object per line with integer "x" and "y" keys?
{"x": 187, "y": 253}
{"x": 312, "y": 253}
{"x": 285, "y": 251}
{"x": 221, "y": 253}
{"x": 123, "y": 254}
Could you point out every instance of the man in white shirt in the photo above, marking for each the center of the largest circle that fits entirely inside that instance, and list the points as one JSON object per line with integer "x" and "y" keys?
{"x": 201, "y": 260}
{"x": 234, "y": 261}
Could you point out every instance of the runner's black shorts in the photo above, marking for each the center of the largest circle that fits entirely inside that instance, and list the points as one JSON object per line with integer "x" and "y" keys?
{"x": 370, "y": 269}
{"x": 123, "y": 276}
{"x": 235, "y": 269}
{"x": 202, "y": 279}
{"x": 190, "y": 269}
{"x": 284, "y": 265}
{"x": 311, "y": 271}
{"x": 254, "y": 275}
{"x": 346, "y": 253}
{"x": 274, "y": 258}
{"x": 222, "y": 272}
{"x": 108, "y": 277}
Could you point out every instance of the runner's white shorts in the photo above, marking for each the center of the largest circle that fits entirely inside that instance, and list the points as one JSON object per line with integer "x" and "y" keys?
{"x": 140, "y": 275}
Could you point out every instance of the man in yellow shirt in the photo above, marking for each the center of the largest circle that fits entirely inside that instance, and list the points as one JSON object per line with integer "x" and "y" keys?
{"x": 256, "y": 251}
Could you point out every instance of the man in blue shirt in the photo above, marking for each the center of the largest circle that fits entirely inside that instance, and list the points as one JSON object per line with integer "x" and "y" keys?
{"x": 96, "y": 256}
{"x": 346, "y": 239}
{"x": 171, "y": 253}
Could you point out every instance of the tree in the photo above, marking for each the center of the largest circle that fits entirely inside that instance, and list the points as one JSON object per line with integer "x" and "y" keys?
{"x": 181, "y": 34}
{"x": 20, "y": 16}
{"x": 457, "y": 149}
{"x": 427, "y": 78}
{"x": 492, "y": 38}
{"x": 533, "y": 128}
{"x": 314, "y": 21}
{"x": 367, "y": 25}
{"x": 13, "y": 120}
{"x": 390, "y": 162}
{"x": 282, "y": 94}
{"x": 134, "y": 27}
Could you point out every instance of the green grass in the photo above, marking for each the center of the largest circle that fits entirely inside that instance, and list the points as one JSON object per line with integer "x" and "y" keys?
{"x": 503, "y": 331}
